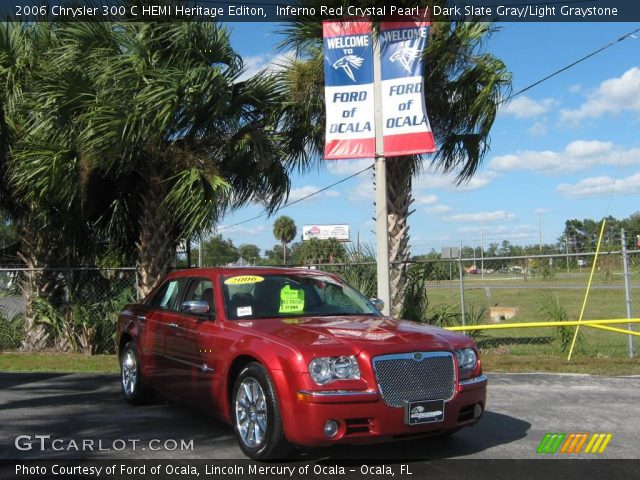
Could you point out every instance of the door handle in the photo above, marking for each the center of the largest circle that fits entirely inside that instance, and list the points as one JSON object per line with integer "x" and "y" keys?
{"x": 172, "y": 325}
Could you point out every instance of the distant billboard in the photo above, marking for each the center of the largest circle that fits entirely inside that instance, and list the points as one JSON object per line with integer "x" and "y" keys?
{"x": 325, "y": 232}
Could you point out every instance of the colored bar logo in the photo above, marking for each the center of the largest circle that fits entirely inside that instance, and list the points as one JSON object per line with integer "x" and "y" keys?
{"x": 573, "y": 443}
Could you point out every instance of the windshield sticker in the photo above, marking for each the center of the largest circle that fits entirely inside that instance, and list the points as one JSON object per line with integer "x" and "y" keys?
{"x": 244, "y": 311}
{"x": 291, "y": 301}
{"x": 243, "y": 280}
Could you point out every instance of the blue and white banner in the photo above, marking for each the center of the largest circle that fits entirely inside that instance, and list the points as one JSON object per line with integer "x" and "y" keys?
{"x": 406, "y": 128}
{"x": 348, "y": 72}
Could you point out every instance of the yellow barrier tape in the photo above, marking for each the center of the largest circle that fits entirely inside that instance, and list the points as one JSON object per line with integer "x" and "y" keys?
{"x": 586, "y": 294}
{"x": 571, "y": 323}
{"x": 613, "y": 329}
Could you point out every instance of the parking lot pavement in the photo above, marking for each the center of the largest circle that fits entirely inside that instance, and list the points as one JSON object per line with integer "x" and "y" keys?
{"x": 87, "y": 416}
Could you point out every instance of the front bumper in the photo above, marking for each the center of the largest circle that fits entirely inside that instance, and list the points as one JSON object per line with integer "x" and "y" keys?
{"x": 364, "y": 417}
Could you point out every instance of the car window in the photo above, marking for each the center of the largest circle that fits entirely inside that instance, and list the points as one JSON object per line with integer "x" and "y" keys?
{"x": 284, "y": 295}
{"x": 201, "y": 289}
{"x": 166, "y": 298}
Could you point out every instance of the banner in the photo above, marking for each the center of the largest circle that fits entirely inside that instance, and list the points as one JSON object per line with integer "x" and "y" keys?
{"x": 406, "y": 128}
{"x": 348, "y": 72}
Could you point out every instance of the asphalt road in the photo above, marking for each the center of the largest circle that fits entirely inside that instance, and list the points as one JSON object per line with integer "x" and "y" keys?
{"x": 521, "y": 409}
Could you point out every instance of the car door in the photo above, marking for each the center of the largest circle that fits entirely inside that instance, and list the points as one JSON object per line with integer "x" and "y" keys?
{"x": 190, "y": 345}
{"x": 159, "y": 319}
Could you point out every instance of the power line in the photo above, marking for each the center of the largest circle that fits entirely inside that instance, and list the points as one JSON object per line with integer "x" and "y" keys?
{"x": 288, "y": 204}
{"x": 572, "y": 64}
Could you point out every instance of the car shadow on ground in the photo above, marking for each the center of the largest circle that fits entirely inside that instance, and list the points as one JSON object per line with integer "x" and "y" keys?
{"x": 90, "y": 406}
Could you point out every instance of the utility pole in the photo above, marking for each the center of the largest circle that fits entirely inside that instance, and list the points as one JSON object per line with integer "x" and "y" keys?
{"x": 539, "y": 232}
{"x": 482, "y": 250}
{"x": 461, "y": 285}
{"x": 200, "y": 251}
{"x": 627, "y": 287}
{"x": 566, "y": 241}
{"x": 382, "y": 230}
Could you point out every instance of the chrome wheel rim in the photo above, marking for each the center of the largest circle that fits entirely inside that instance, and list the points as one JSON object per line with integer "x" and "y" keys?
{"x": 251, "y": 413}
{"x": 129, "y": 372}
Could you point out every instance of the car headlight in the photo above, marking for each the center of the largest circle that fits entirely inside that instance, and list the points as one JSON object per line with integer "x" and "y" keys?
{"x": 467, "y": 359}
{"x": 324, "y": 370}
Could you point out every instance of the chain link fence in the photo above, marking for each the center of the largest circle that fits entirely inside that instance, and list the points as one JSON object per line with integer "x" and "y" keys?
{"x": 67, "y": 309}
{"x": 75, "y": 309}
{"x": 516, "y": 290}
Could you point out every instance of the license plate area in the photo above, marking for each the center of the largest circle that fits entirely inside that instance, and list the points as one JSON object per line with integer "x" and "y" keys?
{"x": 423, "y": 411}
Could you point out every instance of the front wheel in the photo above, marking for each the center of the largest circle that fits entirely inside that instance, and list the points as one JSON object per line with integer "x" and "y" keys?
{"x": 133, "y": 389}
{"x": 256, "y": 413}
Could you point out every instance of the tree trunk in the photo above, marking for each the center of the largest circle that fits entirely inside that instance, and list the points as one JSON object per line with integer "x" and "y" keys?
{"x": 399, "y": 200}
{"x": 284, "y": 254}
{"x": 35, "y": 284}
{"x": 155, "y": 245}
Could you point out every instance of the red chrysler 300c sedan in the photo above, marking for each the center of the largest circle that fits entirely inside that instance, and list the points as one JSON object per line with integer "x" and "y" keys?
{"x": 296, "y": 357}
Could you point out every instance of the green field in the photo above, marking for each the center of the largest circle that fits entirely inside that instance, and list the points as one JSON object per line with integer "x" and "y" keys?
{"x": 606, "y": 301}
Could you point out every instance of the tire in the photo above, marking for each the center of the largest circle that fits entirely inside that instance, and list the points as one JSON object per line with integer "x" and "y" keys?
{"x": 132, "y": 384}
{"x": 256, "y": 415}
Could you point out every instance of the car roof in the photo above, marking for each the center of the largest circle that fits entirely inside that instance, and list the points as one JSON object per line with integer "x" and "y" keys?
{"x": 254, "y": 270}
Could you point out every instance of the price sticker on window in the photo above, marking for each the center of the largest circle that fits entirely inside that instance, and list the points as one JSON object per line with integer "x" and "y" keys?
{"x": 291, "y": 301}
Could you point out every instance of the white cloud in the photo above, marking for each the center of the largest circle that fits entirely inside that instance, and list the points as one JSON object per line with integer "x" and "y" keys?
{"x": 575, "y": 88}
{"x": 601, "y": 186}
{"x": 426, "y": 199}
{"x": 230, "y": 231}
{"x": 538, "y": 129}
{"x": 348, "y": 167}
{"x": 438, "y": 209}
{"x": 267, "y": 62}
{"x": 541, "y": 211}
{"x": 299, "y": 193}
{"x": 494, "y": 233}
{"x": 612, "y": 96}
{"x": 576, "y": 156}
{"x": 447, "y": 181}
{"x": 481, "y": 217}
{"x": 525, "y": 107}
{"x": 363, "y": 191}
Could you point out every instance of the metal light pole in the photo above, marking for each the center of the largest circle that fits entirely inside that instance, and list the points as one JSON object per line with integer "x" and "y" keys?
{"x": 382, "y": 230}
{"x": 627, "y": 287}
{"x": 461, "y": 285}
{"x": 482, "y": 250}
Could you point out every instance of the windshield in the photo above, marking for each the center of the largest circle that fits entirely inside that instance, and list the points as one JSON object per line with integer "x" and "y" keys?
{"x": 287, "y": 295}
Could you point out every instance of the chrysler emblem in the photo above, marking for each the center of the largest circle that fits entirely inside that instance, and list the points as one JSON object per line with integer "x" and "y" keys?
{"x": 417, "y": 356}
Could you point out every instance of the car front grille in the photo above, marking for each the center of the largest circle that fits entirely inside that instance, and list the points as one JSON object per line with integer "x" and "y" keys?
{"x": 415, "y": 376}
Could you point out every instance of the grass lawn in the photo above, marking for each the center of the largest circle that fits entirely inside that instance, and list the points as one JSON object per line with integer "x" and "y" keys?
{"x": 606, "y": 302}
{"x": 57, "y": 362}
{"x": 71, "y": 362}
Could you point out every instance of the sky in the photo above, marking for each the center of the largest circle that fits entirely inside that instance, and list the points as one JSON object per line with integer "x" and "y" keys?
{"x": 567, "y": 148}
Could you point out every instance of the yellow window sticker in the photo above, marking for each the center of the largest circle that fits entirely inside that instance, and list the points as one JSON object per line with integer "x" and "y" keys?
{"x": 291, "y": 301}
{"x": 243, "y": 280}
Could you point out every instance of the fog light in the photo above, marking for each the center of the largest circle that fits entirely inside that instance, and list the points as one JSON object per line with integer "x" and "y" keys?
{"x": 477, "y": 411}
{"x": 330, "y": 428}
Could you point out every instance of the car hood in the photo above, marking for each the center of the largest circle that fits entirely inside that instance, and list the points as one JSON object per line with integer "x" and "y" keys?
{"x": 356, "y": 332}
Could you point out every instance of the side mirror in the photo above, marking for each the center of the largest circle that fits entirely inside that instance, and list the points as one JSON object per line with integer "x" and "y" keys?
{"x": 195, "y": 307}
{"x": 379, "y": 304}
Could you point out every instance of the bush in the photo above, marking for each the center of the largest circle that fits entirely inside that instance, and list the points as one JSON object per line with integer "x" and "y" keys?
{"x": 551, "y": 309}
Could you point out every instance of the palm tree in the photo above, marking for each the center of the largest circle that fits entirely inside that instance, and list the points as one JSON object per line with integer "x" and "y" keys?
{"x": 141, "y": 133}
{"x": 284, "y": 229}
{"x": 463, "y": 86}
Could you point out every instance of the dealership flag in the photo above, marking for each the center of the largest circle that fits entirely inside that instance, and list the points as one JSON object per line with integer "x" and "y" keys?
{"x": 348, "y": 73}
{"x": 406, "y": 128}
